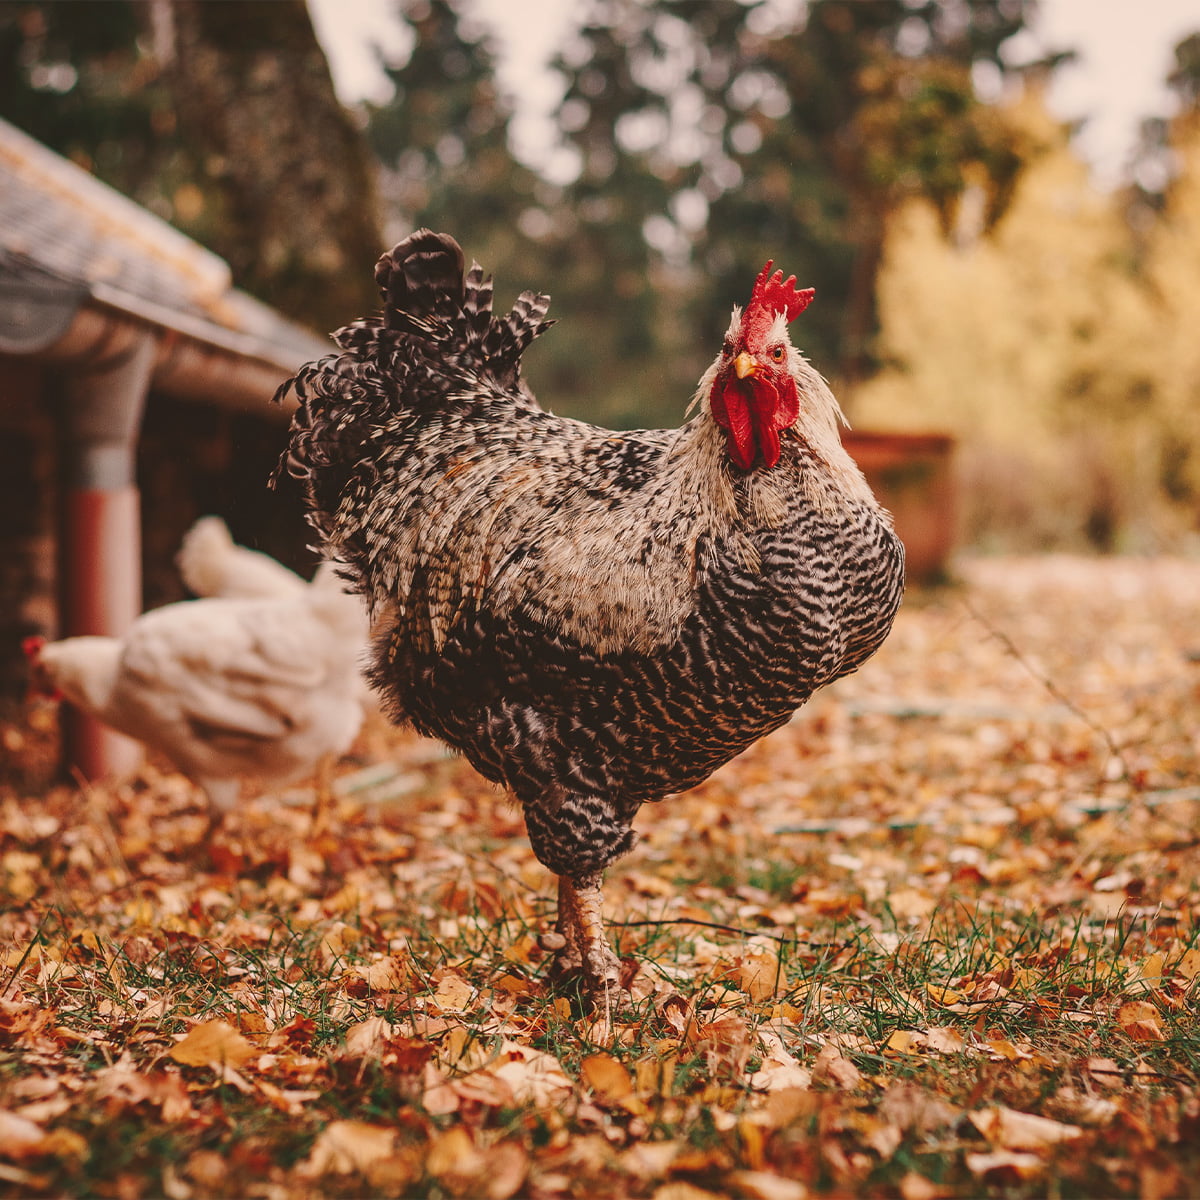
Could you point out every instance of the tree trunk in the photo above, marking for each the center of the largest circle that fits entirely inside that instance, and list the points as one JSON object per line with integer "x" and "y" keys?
{"x": 286, "y": 182}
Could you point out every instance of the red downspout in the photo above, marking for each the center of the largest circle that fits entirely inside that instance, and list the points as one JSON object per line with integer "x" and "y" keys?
{"x": 101, "y": 543}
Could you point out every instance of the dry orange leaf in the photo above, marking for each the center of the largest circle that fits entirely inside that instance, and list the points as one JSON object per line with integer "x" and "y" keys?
{"x": 453, "y": 992}
{"x": 916, "y": 1187}
{"x": 212, "y": 1043}
{"x": 386, "y": 975}
{"x": 944, "y": 995}
{"x": 1139, "y": 1020}
{"x": 944, "y": 1040}
{"x": 1188, "y": 967}
{"x": 454, "y": 1154}
{"x": 19, "y": 1136}
{"x": 763, "y": 1185}
{"x": 610, "y": 1081}
{"x": 832, "y": 1066}
{"x": 1002, "y": 1165}
{"x": 679, "y": 1190}
{"x": 906, "y": 1041}
{"x": 759, "y": 976}
{"x": 535, "y": 1077}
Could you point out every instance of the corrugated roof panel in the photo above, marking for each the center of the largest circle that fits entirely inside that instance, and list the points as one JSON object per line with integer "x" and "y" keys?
{"x": 68, "y": 226}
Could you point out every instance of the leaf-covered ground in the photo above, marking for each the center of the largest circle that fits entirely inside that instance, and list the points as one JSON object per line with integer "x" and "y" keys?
{"x": 937, "y": 937}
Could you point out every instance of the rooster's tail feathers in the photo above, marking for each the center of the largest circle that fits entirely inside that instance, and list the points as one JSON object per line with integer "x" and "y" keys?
{"x": 421, "y": 277}
{"x": 424, "y": 291}
{"x": 526, "y": 321}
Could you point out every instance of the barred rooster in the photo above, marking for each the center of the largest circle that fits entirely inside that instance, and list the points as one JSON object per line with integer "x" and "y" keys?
{"x": 594, "y": 619}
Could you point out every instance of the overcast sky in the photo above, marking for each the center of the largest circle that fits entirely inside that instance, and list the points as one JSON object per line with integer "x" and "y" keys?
{"x": 1124, "y": 46}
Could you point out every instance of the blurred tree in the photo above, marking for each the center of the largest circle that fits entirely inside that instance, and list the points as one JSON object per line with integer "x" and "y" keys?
{"x": 74, "y": 76}
{"x": 711, "y": 139}
{"x": 1184, "y": 78}
{"x": 442, "y": 140}
{"x": 1172, "y": 267}
{"x": 879, "y": 103}
{"x": 622, "y": 262}
{"x": 286, "y": 184}
{"x": 1153, "y": 163}
{"x": 218, "y": 115}
{"x": 443, "y": 136}
{"x": 1035, "y": 343}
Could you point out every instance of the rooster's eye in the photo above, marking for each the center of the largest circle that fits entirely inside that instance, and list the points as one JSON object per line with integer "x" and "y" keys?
{"x": 777, "y": 353}
{"x": 727, "y": 349}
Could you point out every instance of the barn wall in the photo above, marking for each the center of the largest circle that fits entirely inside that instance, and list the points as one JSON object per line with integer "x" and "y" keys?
{"x": 28, "y": 502}
{"x": 194, "y": 460}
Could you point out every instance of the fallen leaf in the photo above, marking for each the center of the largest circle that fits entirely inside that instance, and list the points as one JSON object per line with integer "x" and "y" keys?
{"x": 1188, "y": 967}
{"x": 1021, "y": 1131}
{"x": 945, "y": 1040}
{"x": 454, "y": 1160}
{"x": 832, "y": 1066}
{"x": 1139, "y": 1019}
{"x": 759, "y": 976}
{"x": 1106, "y": 1073}
{"x": 607, "y": 1078}
{"x": 649, "y": 1160}
{"x": 345, "y": 1146}
{"x": 19, "y": 1136}
{"x": 386, "y": 975}
{"x": 212, "y": 1043}
{"x": 368, "y": 1038}
{"x": 535, "y": 1076}
{"x": 453, "y": 993}
{"x": 1004, "y": 1165}
{"x": 763, "y": 1185}
{"x": 917, "y": 1187}
{"x": 505, "y": 1169}
{"x": 906, "y": 1041}
{"x": 679, "y": 1190}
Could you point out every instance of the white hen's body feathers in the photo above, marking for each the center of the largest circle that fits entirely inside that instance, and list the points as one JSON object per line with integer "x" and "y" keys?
{"x": 227, "y": 688}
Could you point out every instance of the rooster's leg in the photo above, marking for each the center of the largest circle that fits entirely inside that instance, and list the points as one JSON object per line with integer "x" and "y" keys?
{"x": 579, "y": 940}
{"x": 601, "y": 967}
{"x": 564, "y": 941}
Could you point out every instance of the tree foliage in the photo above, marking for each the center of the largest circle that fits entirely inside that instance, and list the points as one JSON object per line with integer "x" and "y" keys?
{"x": 1061, "y": 353}
{"x": 710, "y": 140}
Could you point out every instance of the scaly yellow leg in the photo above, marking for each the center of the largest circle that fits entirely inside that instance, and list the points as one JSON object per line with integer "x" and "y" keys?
{"x": 579, "y": 938}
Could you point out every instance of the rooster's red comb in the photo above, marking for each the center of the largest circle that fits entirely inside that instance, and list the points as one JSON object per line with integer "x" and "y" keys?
{"x": 773, "y": 293}
{"x": 32, "y": 646}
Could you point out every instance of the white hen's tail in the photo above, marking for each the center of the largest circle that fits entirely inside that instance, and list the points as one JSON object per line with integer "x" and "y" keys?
{"x": 213, "y": 564}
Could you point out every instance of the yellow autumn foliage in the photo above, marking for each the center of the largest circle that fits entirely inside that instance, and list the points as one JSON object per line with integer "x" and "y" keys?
{"x": 1068, "y": 373}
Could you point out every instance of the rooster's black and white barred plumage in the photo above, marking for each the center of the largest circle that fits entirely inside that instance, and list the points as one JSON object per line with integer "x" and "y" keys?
{"x": 595, "y": 619}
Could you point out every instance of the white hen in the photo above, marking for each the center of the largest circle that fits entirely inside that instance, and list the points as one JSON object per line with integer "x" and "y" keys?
{"x": 224, "y": 688}
{"x": 211, "y": 563}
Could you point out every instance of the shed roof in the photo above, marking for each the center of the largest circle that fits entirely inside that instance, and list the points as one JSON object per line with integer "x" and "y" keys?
{"x": 67, "y": 240}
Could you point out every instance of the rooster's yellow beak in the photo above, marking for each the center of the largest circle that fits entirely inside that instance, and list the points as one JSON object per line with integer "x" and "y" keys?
{"x": 744, "y": 365}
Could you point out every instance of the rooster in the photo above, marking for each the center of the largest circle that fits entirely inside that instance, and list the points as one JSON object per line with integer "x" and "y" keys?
{"x": 225, "y": 688}
{"x": 594, "y": 619}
